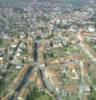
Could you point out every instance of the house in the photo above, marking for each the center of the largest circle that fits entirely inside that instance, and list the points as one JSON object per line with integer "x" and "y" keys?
{"x": 1, "y": 60}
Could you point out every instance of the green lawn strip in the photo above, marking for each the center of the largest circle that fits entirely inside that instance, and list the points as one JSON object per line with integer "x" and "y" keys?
{"x": 8, "y": 80}
{"x": 61, "y": 52}
{"x": 4, "y": 43}
{"x": 35, "y": 94}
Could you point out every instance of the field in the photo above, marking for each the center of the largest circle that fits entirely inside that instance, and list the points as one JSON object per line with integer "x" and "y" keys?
{"x": 35, "y": 94}
{"x": 4, "y": 43}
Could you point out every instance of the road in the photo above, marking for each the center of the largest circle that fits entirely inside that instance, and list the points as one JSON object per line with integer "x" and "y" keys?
{"x": 25, "y": 79}
{"x": 88, "y": 51}
{"x": 22, "y": 84}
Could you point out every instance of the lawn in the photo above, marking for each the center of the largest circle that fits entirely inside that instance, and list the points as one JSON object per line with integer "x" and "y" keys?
{"x": 5, "y": 84}
{"x": 13, "y": 34}
{"x": 4, "y": 43}
{"x": 43, "y": 97}
{"x": 91, "y": 44}
{"x": 35, "y": 94}
{"x": 62, "y": 52}
{"x": 24, "y": 52}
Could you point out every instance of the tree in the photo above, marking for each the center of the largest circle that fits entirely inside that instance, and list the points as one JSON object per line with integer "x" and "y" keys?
{"x": 92, "y": 95}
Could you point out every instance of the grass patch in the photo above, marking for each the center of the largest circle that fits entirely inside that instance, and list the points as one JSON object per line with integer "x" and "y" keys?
{"x": 5, "y": 83}
{"x": 61, "y": 52}
{"x": 35, "y": 94}
{"x": 4, "y": 43}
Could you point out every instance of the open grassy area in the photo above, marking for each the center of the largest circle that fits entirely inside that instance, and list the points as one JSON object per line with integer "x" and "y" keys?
{"x": 13, "y": 34}
{"x": 92, "y": 44}
{"x": 5, "y": 83}
{"x": 43, "y": 97}
{"x": 73, "y": 96}
{"x": 62, "y": 52}
{"x": 35, "y": 94}
{"x": 4, "y": 43}
{"x": 24, "y": 52}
